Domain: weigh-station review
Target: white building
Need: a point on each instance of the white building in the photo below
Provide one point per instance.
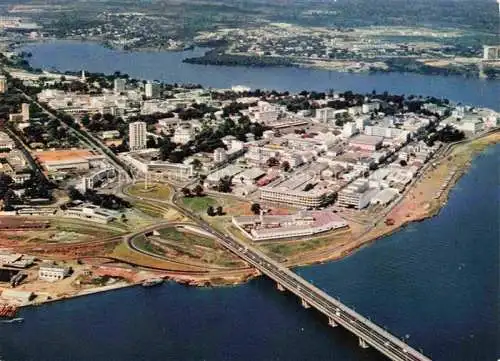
(6, 142)
(304, 223)
(295, 197)
(110, 134)
(349, 129)
(119, 85)
(370, 107)
(220, 155)
(142, 161)
(152, 90)
(137, 135)
(92, 213)
(357, 195)
(183, 134)
(52, 272)
(471, 126)
(323, 115)
(25, 112)
(96, 177)
(228, 171)
(3, 84)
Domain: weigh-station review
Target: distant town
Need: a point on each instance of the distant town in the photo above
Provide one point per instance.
(287, 38)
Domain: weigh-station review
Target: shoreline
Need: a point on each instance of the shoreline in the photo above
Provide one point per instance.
(342, 66)
(232, 278)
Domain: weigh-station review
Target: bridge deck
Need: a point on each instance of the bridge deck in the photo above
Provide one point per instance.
(368, 332)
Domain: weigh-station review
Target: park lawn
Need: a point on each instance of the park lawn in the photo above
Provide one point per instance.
(156, 191)
(199, 204)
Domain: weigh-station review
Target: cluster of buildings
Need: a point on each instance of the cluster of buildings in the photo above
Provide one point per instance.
(146, 162)
(91, 212)
(301, 224)
(13, 161)
(355, 49)
(87, 169)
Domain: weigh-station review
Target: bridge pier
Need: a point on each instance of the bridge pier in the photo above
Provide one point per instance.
(305, 304)
(362, 343)
(331, 322)
(280, 287)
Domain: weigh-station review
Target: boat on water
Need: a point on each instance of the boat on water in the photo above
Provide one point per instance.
(152, 282)
(13, 320)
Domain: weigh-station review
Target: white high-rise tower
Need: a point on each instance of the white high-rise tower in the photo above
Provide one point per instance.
(137, 135)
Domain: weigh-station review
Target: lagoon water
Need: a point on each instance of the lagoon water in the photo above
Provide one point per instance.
(435, 283)
(168, 67)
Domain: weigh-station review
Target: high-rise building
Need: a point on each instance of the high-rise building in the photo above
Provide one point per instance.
(3, 84)
(25, 111)
(152, 90)
(137, 135)
(119, 85)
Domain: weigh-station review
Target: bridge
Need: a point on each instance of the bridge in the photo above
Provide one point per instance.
(337, 313)
(368, 333)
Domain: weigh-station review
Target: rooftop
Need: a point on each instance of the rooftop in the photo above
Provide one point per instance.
(63, 155)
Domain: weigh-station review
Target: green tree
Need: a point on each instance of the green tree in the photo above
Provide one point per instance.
(255, 208)
(225, 185)
(186, 191)
(285, 166)
(198, 190)
(272, 162)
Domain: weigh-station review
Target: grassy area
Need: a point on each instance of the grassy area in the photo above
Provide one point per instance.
(291, 248)
(187, 238)
(124, 253)
(199, 204)
(150, 210)
(156, 191)
(87, 228)
(145, 245)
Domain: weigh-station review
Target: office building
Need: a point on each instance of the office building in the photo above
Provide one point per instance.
(152, 90)
(137, 135)
(220, 155)
(25, 111)
(357, 195)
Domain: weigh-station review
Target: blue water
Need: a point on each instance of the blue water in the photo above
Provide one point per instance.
(168, 66)
(436, 282)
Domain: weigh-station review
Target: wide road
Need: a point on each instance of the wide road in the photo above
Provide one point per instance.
(338, 314)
